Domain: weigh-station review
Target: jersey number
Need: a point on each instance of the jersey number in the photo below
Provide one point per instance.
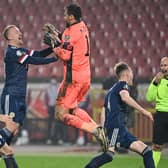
(88, 47)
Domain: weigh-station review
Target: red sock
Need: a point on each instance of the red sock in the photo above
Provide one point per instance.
(82, 114)
(72, 120)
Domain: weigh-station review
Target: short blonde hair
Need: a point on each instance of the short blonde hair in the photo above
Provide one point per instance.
(6, 30)
(120, 67)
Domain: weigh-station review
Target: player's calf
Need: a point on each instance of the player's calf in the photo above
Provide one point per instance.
(10, 161)
(7, 153)
(6, 134)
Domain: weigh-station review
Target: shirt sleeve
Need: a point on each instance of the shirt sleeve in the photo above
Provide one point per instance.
(33, 57)
(39, 60)
(151, 92)
(42, 53)
(124, 86)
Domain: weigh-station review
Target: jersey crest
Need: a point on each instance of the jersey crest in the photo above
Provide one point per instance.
(67, 37)
(19, 53)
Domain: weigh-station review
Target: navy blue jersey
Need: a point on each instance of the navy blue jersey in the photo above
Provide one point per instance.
(115, 108)
(16, 67)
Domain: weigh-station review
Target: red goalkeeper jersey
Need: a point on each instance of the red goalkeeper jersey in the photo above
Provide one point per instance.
(74, 52)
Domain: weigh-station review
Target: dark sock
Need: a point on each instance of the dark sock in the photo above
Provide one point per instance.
(148, 158)
(10, 162)
(100, 160)
(2, 141)
(7, 135)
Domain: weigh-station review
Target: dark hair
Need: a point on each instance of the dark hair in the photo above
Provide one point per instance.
(120, 67)
(6, 30)
(75, 10)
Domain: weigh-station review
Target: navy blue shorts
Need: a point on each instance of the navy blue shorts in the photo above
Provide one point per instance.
(14, 106)
(120, 137)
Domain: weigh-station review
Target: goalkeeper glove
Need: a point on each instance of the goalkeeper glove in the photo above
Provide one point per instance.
(50, 40)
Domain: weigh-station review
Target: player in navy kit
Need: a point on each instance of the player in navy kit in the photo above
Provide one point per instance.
(115, 109)
(14, 91)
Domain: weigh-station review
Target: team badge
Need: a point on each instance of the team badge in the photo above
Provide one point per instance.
(12, 114)
(19, 53)
(67, 37)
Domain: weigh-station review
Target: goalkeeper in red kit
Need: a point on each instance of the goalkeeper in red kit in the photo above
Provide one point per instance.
(74, 51)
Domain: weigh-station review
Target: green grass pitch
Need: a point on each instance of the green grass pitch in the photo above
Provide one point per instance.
(79, 161)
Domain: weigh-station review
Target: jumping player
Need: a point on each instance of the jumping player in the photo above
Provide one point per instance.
(75, 53)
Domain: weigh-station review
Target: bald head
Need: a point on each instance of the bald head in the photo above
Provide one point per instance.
(164, 59)
(164, 66)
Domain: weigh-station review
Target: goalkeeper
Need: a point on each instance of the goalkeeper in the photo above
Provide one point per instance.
(158, 92)
(74, 50)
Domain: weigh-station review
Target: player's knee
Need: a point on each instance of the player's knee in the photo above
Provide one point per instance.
(147, 151)
(12, 126)
(157, 147)
(6, 133)
(6, 150)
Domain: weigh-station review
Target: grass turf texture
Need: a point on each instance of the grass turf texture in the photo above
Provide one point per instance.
(79, 161)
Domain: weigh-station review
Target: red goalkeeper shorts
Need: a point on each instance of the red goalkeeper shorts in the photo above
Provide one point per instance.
(70, 94)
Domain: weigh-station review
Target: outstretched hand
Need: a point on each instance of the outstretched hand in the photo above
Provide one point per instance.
(149, 115)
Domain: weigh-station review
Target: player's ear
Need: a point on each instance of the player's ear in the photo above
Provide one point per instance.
(71, 17)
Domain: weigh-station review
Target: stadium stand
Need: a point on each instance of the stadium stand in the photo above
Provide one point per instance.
(134, 31)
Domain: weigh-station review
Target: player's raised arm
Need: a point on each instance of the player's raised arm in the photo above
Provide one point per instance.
(152, 90)
(33, 57)
(125, 96)
(42, 53)
(40, 61)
